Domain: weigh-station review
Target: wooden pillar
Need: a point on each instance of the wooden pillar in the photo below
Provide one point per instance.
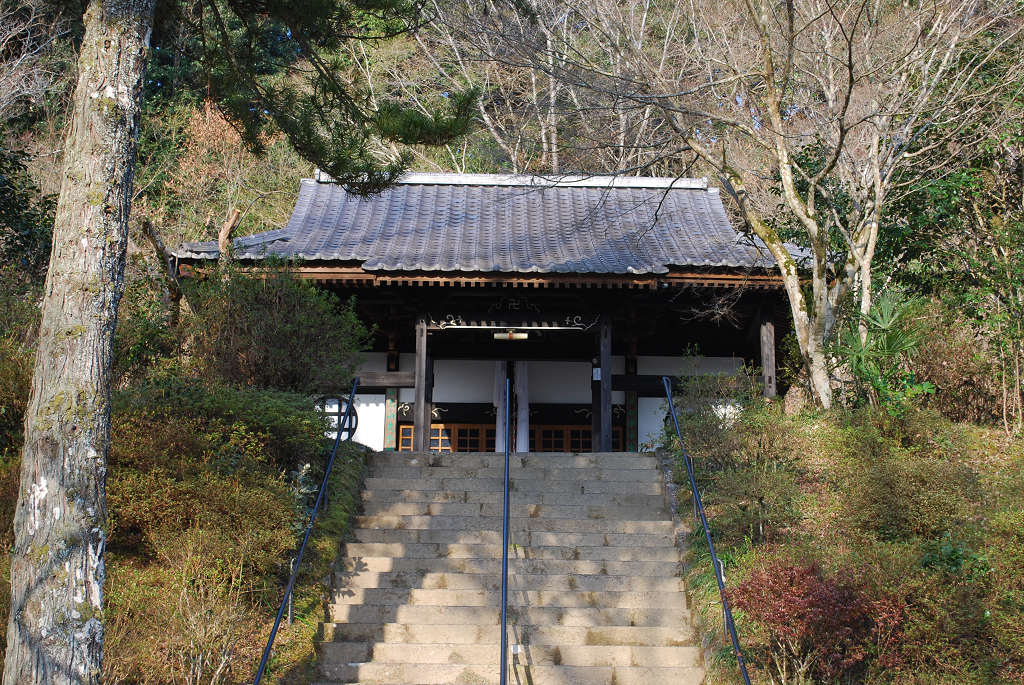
(501, 378)
(606, 384)
(429, 392)
(768, 348)
(391, 397)
(421, 411)
(595, 406)
(390, 419)
(632, 436)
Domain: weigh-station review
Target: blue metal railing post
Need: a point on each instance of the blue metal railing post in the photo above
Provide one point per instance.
(698, 507)
(342, 424)
(504, 548)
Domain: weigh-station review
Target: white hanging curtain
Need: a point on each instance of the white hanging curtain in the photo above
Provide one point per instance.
(523, 412)
(500, 374)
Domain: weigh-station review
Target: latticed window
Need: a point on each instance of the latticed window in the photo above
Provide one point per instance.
(440, 439)
(568, 439)
(334, 408)
(451, 437)
(405, 438)
(456, 437)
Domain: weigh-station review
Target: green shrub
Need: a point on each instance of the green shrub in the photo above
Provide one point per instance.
(742, 450)
(910, 522)
(183, 620)
(904, 496)
(148, 508)
(900, 483)
(26, 218)
(757, 505)
(213, 459)
(267, 328)
(203, 521)
(1004, 552)
(945, 634)
(145, 332)
(287, 427)
(19, 322)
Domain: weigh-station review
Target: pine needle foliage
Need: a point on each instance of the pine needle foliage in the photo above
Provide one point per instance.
(280, 67)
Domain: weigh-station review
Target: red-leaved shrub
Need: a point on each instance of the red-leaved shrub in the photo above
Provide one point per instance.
(806, 625)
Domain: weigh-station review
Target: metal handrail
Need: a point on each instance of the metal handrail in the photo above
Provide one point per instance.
(698, 508)
(342, 426)
(504, 548)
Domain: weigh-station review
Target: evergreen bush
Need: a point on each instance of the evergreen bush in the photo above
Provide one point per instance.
(204, 517)
(264, 327)
(859, 546)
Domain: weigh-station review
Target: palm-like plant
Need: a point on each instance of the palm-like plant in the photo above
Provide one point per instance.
(875, 353)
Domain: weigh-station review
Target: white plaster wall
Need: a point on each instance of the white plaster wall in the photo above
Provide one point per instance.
(370, 407)
(650, 417)
(464, 380)
(560, 382)
(375, 361)
(407, 362)
(370, 431)
(671, 366)
(618, 368)
(568, 382)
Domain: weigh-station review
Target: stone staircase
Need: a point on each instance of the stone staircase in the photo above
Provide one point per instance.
(595, 594)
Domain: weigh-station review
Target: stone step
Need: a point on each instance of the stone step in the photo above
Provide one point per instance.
(416, 495)
(534, 654)
(460, 551)
(466, 523)
(557, 635)
(595, 592)
(598, 475)
(661, 569)
(530, 598)
(533, 616)
(570, 487)
(616, 460)
(650, 517)
(546, 582)
(525, 538)
(655, 512)
(445, 674)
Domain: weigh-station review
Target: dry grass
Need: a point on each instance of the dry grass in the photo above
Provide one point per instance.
(922, 514)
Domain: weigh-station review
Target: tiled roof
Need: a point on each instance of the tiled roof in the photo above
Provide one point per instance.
(483, 222)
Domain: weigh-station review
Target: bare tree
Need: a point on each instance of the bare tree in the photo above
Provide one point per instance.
(27, 35)
(808, 111)
(541, 123)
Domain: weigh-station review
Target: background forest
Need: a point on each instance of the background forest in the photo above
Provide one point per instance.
(871, 531)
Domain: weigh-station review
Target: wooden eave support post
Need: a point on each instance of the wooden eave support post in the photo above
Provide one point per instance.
(421, 415)
(391, 397)
(768, 348)
(632, 436)
(602, 425)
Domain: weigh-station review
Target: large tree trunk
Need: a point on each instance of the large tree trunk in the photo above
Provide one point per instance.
(812, 321)
(55, 632)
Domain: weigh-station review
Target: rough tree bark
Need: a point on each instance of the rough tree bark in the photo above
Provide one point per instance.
(55, 631)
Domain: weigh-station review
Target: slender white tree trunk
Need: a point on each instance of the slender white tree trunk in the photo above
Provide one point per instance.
(55, 631)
